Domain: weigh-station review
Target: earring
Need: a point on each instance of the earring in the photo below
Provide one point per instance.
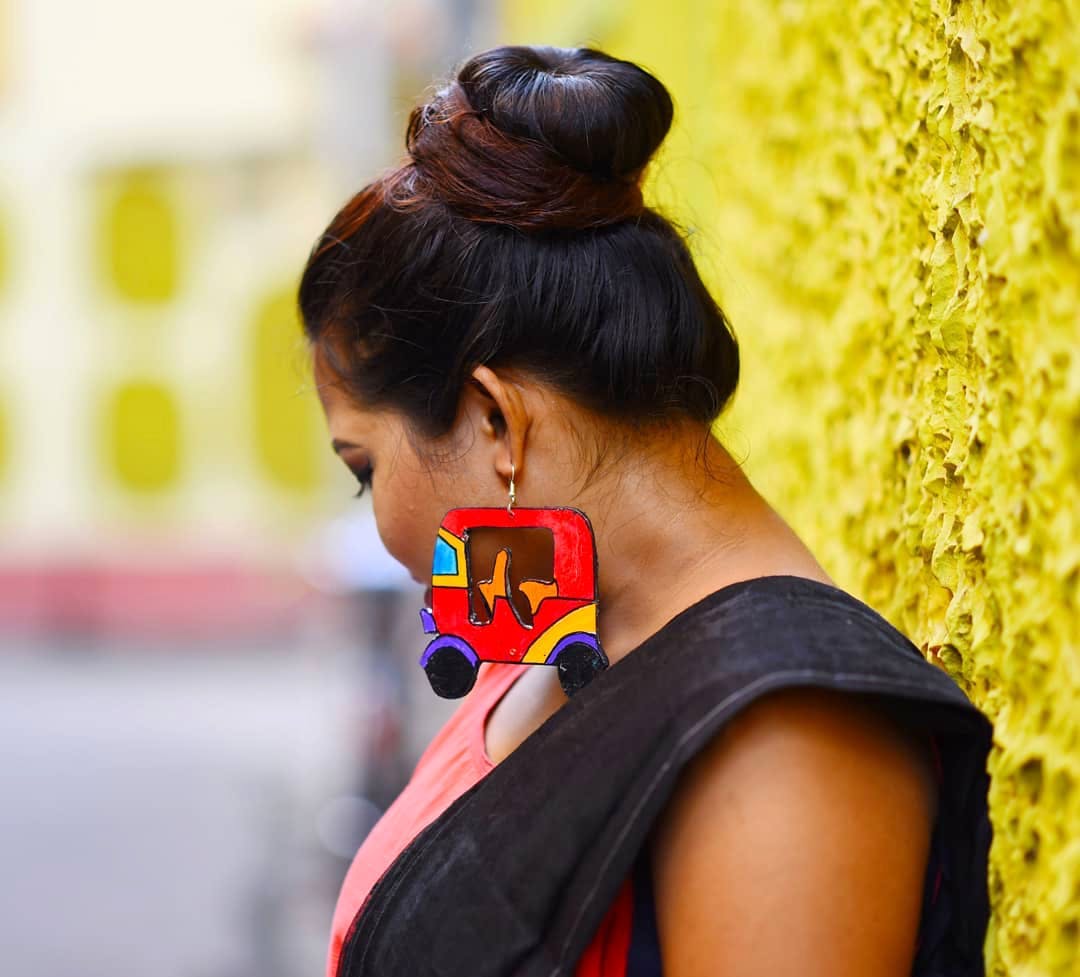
(516, 586)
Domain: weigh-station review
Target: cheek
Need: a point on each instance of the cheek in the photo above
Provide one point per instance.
(408, 512)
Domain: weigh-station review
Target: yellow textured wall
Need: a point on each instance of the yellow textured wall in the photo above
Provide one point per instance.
(886, 198)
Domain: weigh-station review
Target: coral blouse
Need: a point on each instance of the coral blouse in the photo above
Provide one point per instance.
(625, 942)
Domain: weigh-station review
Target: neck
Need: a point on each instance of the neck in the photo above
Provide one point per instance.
(673, 528)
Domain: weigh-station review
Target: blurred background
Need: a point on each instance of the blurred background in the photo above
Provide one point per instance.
(207, 688)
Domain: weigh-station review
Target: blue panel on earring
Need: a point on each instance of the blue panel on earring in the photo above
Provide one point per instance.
(445, 561)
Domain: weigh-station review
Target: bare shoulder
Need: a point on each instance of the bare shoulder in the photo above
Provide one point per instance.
(796, 843)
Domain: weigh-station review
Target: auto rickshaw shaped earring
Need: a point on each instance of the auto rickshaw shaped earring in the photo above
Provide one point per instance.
(514, 585)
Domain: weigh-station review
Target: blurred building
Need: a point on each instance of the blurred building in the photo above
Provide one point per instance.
(164, 170)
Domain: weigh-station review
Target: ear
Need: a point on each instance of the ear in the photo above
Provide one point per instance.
(505, 419)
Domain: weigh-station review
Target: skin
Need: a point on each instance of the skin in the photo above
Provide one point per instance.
(796, 841)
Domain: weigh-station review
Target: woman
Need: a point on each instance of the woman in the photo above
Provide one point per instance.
(502, 313)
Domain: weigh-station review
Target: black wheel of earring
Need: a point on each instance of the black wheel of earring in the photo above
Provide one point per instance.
(450, 673)
(578, 665)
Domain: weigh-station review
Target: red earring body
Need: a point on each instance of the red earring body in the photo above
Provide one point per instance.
(517, 586)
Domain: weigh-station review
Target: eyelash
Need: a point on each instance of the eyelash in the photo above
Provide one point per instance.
(363, 476)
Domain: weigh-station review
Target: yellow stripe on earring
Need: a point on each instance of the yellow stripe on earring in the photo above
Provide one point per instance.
(581, 619)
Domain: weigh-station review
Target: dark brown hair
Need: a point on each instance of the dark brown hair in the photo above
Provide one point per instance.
(515, 235)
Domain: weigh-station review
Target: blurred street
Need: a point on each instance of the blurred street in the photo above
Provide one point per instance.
(162, 813)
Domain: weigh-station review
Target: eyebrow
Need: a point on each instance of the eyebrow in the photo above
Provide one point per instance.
(339, 445)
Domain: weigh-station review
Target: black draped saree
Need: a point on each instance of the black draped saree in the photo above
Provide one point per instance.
(513, 878)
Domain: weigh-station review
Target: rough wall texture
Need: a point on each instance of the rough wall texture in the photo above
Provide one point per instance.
(886, 197)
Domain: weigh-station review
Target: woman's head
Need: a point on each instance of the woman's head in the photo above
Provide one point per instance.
(511, 256)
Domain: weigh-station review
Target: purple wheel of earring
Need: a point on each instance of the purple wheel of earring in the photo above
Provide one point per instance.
(451, 666)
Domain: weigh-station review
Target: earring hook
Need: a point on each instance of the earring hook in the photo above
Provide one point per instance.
(513, 496)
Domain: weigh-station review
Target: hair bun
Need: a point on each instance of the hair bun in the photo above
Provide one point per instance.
(603, 116)
(538, 137)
